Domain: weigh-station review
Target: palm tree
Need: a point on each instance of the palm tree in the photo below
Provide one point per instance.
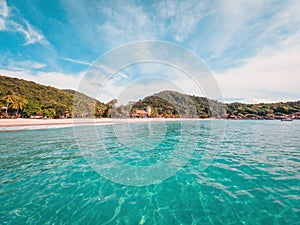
(100, 111)
(9, 99)
(18, 103)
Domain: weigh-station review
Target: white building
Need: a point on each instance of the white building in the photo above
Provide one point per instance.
(148, 110)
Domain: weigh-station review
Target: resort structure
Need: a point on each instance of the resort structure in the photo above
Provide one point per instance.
(140, 113)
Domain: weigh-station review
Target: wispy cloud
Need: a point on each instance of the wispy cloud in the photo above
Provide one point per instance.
(126, 23)
(3, 8)
(31, 34)
(122, 22)
(232, 22)
(2, 24)
(250, 45)
(271, 75)
(8, 62)
(174, 20)
(25, 65)
(3, 14)
(76, 61)
(54, 79)
(179, 19)
(7, 23)
(287, 18)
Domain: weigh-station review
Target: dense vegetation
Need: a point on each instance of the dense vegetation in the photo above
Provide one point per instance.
(263, 110)
(171, 104)
(26, 98)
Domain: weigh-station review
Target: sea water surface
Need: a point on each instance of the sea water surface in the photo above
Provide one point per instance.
(253, 177)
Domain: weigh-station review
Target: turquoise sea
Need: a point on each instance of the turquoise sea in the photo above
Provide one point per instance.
(251, 175)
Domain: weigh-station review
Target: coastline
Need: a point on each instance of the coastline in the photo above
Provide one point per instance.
(21, 122)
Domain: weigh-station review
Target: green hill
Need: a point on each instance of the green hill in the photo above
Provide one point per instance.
(27, 98)
(30, 98)
(175, 104)
(171, 104)
(264, 110)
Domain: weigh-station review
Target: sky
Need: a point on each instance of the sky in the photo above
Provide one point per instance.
(250, 48)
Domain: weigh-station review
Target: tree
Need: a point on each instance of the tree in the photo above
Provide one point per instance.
(110, 105)
(18, 102)
(99, 111)
(49, 112)
(61, 109)
(9, 100)
(154, 112)
(46, 97)
(32, 108)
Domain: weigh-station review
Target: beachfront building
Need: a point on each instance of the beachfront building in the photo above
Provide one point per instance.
(148, 110)
(140, 113)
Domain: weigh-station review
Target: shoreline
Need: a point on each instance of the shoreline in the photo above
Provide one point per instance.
(21, 122)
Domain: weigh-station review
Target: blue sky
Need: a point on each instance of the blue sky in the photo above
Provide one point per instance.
(251, 47)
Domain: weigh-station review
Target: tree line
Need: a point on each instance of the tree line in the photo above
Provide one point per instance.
(20, 98)
(171, 104)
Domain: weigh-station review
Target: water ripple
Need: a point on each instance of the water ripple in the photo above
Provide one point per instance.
(253, 179)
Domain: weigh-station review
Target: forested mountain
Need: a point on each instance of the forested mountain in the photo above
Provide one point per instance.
(175, 104)
(264, 110)
(30, 98)
(171, 104)
(26, 98)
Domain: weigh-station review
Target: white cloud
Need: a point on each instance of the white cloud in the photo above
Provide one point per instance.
(144, 87)
(3, 8)
(158, 60)
(136, 89)
(179, 19)
(31, 35)
(54, 79)
(122, 22)
(126, 23)
(288, 16)
(7, 23)
(36, 65)
(261, 100)
(143, 79)
(76, 61)
(2, 24)
(271, 75)
(233, 19)
(226, 31)
(3, 14)
(24, 65)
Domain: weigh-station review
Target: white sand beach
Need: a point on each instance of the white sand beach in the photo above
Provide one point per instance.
(42, 122)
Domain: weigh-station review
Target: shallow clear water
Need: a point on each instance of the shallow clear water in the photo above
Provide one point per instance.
(254, 177)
